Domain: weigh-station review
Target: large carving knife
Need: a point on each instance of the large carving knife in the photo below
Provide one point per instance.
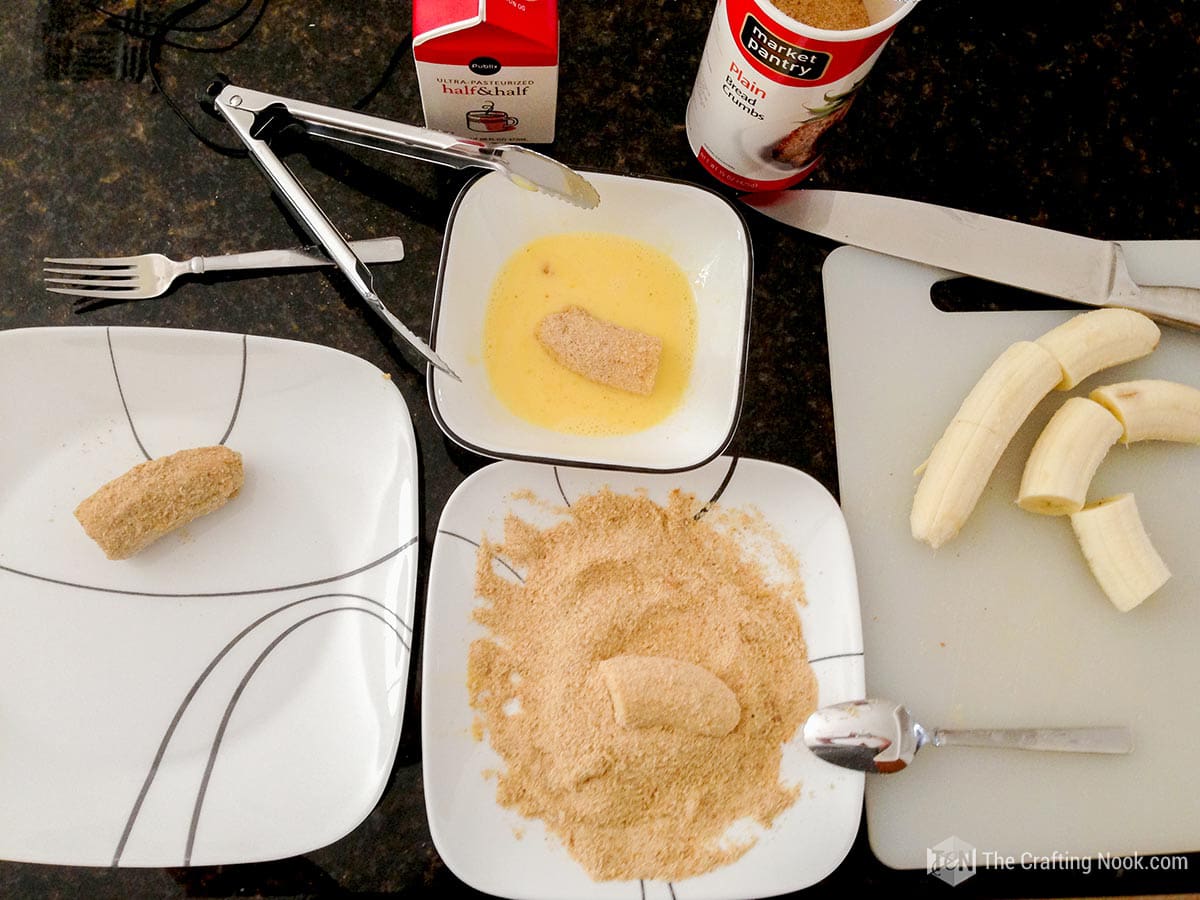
(1036, 259)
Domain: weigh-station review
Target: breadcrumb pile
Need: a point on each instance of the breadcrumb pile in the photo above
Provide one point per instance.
(622, 575)
(836, 15)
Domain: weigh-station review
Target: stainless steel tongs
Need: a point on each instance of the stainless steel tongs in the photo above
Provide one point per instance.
(256, 116)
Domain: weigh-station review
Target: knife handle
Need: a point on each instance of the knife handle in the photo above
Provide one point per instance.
(371, 250)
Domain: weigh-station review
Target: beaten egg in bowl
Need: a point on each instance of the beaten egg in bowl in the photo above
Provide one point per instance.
(597, 320)
(616, 279)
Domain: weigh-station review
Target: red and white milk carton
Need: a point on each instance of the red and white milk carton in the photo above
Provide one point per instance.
(488, 69)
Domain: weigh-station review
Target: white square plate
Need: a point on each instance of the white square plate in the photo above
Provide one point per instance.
(234, 692)
(479, 840)
(700, 230)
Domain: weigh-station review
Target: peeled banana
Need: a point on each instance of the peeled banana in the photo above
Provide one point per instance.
(962, 460)
(1118, 550)
(1096, 340)
(1065, 457)
(1153, 410)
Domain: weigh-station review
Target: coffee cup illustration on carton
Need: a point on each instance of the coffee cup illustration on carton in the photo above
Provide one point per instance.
(490, 119)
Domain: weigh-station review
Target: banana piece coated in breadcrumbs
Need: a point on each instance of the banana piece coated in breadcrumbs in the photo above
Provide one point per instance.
(601, 351)
(660, 692)
(132, 511)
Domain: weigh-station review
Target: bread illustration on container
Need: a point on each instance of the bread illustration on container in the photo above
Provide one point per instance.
(804, 144)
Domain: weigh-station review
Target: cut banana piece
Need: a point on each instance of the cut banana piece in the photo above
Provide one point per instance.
(1118, 550)
(661, 692)
(1153, 410)
(962, 460)
(1065, 457)
(1097, 340)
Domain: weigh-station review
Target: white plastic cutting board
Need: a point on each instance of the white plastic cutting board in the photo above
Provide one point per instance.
(1004, 626)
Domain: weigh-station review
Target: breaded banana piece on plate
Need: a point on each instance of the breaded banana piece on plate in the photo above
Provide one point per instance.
(153, 498)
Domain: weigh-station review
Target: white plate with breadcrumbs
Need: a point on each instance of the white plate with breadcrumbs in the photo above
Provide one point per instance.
(235, 692)
(494, 849)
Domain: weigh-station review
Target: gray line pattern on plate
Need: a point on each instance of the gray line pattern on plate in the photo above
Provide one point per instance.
(847, 655)
(561, 492)
(237, 694)
(517, 575)
(112, 357)
(178, 717)
(237, 405)
(316, 582)
(669, 885)
(733, 461)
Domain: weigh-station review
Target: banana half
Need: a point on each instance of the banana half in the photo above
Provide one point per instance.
(962, 460)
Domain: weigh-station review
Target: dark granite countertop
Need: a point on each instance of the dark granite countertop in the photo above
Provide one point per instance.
(1082, 119)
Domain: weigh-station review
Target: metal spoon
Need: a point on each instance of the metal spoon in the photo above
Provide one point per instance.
(882, 736)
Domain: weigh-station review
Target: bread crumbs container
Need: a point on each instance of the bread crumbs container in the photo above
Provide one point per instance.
(769, 88)
(488, 69)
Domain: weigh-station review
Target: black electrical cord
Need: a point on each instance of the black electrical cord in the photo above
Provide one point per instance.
(154, 57)
(233, 43)
(140, 27)
(160, 34)
(398, 55)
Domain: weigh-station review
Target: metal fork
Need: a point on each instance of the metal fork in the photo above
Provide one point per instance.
(149, 275)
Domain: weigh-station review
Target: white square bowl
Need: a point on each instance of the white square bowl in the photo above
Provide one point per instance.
(700, 230)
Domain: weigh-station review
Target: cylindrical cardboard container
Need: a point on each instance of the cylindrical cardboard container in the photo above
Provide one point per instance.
(770, 87)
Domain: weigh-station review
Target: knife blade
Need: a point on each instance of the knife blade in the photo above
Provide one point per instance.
(1036, 259)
